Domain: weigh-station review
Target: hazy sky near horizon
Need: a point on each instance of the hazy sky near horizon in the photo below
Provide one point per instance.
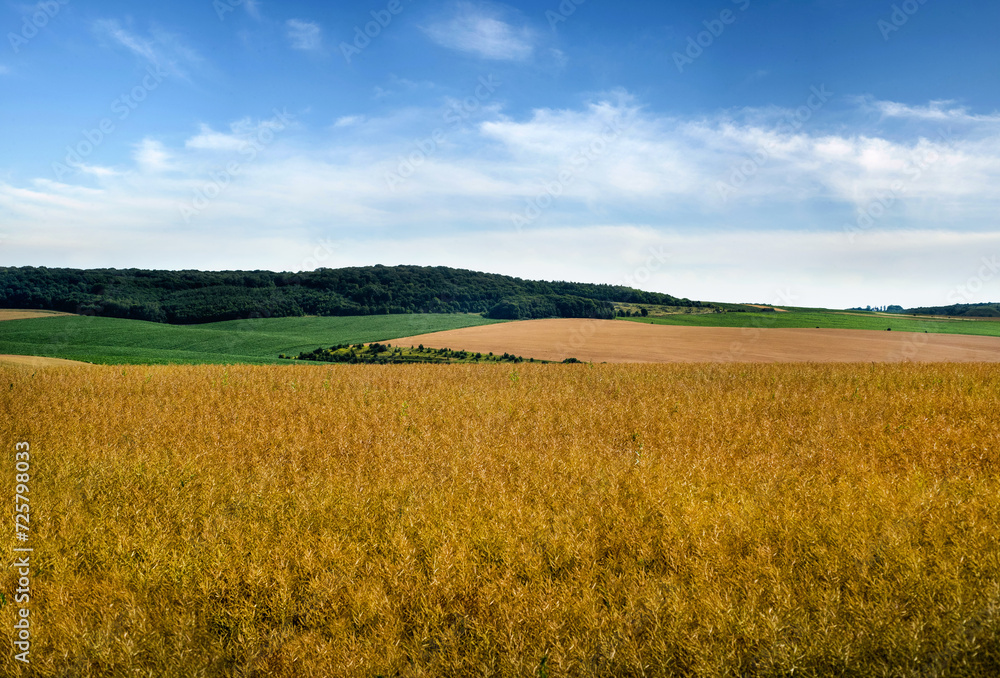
(816, 153)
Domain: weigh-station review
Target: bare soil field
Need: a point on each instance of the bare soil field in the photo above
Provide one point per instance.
(21, 314)
(620, 342)
(36, 361)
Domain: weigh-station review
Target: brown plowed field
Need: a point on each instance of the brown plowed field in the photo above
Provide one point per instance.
(619, 342)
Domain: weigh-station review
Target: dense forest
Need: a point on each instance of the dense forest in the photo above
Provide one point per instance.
(961, 310)
(209, 296)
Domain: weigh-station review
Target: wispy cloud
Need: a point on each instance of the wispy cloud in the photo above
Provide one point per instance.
(98, 171)
(162, 49)
(349, 121)
(559, 58)
(304, 35)
(939, 111)
(4, 70)
(135, 44)
(481, 30)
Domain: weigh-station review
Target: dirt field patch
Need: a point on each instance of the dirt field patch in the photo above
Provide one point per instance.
(618, 342)
(36, 361)
(21, 314)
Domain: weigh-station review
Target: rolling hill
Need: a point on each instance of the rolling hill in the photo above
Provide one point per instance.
(187, 297)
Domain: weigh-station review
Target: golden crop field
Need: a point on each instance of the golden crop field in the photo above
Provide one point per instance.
(498, 520)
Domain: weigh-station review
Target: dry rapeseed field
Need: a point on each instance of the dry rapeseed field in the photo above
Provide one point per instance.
(497, 520)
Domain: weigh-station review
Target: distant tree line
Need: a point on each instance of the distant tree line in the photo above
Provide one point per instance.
(208, 296)
(991, 310)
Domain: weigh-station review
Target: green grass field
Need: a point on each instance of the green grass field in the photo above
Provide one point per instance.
(827, 319)
(259, 341)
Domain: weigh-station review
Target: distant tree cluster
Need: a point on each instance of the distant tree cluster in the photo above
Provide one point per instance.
(208, 296)
(879, 309)
(385, 354)
(628, 313)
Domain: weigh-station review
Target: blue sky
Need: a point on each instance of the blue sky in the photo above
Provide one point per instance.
(822, 153)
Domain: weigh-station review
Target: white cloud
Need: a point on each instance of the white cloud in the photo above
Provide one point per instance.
(241, 133)
(608, 180)
(304, 35)
(4, 70)
(210, 140)
(480, 30)
(56, 187)
(152, 156)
